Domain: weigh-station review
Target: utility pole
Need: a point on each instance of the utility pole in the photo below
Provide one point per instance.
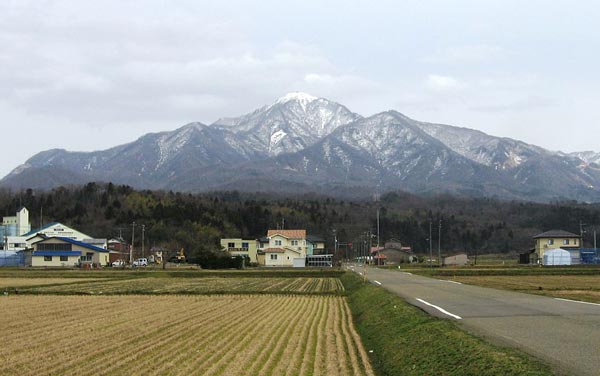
(143, 230)
(595, 240)
(440, 243)
(335, 242)
(365, 258)
(132, 240)
(377, 227)
(430, 245)
(581, 231)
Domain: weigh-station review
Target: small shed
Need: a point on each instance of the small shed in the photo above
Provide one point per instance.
(557, 257)
(458, 260)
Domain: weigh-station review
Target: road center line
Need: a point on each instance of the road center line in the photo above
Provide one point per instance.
(445, 280)
(577, 301)
(440, 309)
(379, 283)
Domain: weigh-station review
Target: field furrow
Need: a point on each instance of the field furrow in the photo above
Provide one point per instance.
(181, 334)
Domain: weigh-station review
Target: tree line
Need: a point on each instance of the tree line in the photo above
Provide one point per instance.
(196, 221)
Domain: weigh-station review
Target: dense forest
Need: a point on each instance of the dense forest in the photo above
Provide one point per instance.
(195, 222)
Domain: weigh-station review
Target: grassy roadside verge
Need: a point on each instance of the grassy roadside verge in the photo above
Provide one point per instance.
(407, 341)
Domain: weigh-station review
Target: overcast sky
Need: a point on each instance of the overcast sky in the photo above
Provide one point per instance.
(88, 75)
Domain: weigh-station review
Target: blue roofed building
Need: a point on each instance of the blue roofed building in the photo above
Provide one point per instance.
(59, 251)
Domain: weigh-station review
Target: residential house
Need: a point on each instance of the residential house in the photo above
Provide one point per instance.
(119, 249)
(554, 239)
(65, 252)
(392, 253)
(315, 245)
(241, 247)
(286, 248)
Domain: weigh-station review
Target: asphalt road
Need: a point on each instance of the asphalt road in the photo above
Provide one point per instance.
(563, 333)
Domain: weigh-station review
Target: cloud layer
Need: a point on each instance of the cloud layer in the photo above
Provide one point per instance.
(90, 75)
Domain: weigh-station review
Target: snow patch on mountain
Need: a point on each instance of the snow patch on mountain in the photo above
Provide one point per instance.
(169, 144)
(296, 96)
(276, 137)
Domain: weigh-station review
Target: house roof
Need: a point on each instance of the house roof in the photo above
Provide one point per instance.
(75, 242)
(315, 239)
(388, 250)
(273, 250)
(43, 236)
(48, 225)
(290, 234)
(377, 249)
(556, 234)
(56, 253)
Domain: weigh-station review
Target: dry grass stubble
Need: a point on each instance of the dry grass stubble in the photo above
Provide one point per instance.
(179, 335)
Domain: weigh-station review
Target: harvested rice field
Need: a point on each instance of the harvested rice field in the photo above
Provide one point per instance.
(194, 286)
(24, 282)
(179, 335)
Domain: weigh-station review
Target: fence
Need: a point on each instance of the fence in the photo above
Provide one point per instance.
(12, 259)
(590, 256)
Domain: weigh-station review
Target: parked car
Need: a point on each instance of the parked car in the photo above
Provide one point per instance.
(140, 262)
(118, 263)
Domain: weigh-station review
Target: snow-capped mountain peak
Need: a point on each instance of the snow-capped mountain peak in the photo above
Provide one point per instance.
(308, 141)
(296, 96)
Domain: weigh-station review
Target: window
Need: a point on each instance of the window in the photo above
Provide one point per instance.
(294, 242)
(550, 241)
(54, 247)
(88, 257)
(230, 245)
(566, 242)
(277, 242)
(64, 258)
(273, 257)
(47, 258)
(245, 245)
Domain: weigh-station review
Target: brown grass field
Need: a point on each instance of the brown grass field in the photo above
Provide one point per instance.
(183, 285)
(577, 287)
(179, 335)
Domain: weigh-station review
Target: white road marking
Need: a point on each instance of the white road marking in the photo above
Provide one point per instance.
(445, 280)
(577, 301)
(379, 283)
(406, 273)
(440, 309)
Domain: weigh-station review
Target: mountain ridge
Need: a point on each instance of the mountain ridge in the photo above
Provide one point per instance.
(302, 142)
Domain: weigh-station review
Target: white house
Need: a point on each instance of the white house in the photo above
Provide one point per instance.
(285, 248)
